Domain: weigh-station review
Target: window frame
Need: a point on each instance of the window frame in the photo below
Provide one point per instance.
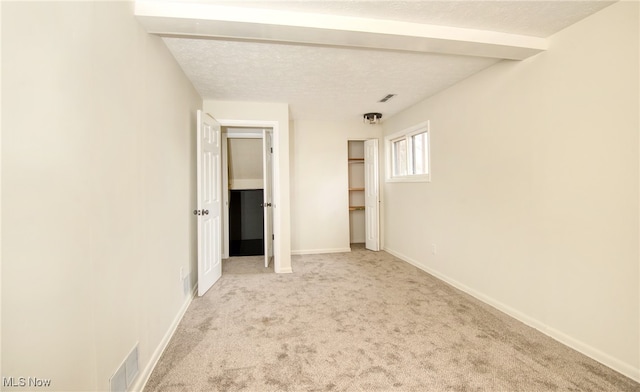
(407, 136)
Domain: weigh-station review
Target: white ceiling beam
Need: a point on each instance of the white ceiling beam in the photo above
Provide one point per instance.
(200, 20)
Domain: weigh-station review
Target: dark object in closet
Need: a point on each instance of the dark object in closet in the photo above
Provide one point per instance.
(246, 223)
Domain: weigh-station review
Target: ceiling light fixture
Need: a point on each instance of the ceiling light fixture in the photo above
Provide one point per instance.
(372, 118)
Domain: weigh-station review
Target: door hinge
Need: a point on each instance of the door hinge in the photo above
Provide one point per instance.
(273, 236)
(271, 150)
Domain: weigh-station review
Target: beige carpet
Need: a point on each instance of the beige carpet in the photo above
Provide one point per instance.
(361, 321)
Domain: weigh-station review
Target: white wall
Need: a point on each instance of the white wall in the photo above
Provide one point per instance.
(319, 183)
(256, 114)
(98, 179)
(245, 163)
(533, 203)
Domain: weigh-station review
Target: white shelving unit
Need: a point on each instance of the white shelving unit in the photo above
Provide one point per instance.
(356, 191)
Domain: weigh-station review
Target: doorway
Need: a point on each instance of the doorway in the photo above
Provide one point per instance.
(364, 194)
(356, 192)
(246, 182)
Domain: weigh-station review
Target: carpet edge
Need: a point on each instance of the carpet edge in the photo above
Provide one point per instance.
(619, 366)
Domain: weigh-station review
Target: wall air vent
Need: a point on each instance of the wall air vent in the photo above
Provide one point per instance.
(388, 97)
(126, 373)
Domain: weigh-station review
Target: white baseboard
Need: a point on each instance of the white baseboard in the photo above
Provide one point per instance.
(284, 271)
(590, 351)
(319, 251)
(143, 377)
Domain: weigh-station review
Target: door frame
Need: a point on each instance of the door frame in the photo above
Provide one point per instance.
(225, 181)
(277, 218)
(226, 135)
(380, 189)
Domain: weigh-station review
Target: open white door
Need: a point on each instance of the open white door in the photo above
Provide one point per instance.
(225, 195)
(371, 196)
(267, 167)
(209, 202)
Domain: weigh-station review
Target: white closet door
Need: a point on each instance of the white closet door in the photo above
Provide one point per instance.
(372, 195)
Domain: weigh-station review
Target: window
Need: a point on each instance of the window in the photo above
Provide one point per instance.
(408, 155)
(399, 157)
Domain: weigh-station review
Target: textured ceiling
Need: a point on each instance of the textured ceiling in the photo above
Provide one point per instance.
(318, 81)
(342, 83)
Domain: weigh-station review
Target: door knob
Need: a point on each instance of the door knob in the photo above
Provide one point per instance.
(196, 212)
(205, 212)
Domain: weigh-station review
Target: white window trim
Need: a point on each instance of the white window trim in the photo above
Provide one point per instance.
(407, 133)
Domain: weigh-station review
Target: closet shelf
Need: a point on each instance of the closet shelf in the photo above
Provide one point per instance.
(356, 160)
(356, 208)
(356, 189)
